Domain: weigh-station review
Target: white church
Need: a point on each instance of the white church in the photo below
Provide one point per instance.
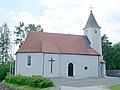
(62, 55)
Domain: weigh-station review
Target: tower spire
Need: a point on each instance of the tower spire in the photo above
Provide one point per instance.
(92, 31)
(91, 22)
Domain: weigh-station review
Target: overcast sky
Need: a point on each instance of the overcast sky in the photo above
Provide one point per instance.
(63, 16)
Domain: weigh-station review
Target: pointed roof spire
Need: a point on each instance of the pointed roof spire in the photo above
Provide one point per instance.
(91, 22)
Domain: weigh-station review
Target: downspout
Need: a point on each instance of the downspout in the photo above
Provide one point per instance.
(59, 65)
(16, 62)
(98, 68)
(43, 64)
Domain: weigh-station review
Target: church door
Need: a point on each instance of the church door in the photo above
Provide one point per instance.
(70, 69)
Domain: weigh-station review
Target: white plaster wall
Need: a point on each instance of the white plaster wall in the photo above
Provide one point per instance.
(104, 70)
(79, 62)
(47, 65)
(60, 66)
(95, 38)
(36, 65)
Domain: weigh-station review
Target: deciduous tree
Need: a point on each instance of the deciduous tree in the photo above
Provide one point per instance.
(4, 42)
(22, 31)
(32, 27)
(116, 56)
(107, 51)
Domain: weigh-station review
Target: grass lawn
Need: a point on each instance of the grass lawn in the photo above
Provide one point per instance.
(115, 87)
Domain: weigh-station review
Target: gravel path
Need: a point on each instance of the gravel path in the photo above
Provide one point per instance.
(85, 82)
(6, 87)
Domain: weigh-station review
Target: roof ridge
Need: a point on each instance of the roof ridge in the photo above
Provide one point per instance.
(57, 33)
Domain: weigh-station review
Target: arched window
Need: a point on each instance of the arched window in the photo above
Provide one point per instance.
(95, 31)
(70, 69)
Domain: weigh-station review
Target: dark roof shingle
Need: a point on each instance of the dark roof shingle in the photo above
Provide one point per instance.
(91, 22)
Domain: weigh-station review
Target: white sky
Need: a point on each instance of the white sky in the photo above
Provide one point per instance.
(63, 16)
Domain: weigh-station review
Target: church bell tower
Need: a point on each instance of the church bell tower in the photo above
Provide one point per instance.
(92, 31)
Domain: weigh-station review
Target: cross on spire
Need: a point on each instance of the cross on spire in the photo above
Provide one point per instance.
(51, 61)
(90, 7)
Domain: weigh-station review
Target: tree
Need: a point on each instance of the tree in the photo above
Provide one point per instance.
(116, 56)
(4, 69)
(32, 27)
(22, 31)
(4, 43)
(111, 54)
(106, 45)
(107, 51)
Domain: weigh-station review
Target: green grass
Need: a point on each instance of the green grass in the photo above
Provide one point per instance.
(115, 87)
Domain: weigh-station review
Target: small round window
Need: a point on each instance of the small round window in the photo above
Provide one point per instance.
(86, 68)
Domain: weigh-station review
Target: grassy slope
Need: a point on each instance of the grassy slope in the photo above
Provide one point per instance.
(115, 87)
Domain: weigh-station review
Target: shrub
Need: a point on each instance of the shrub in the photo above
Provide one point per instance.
(3, 71)
(46, 83)
(39, 82)
(20, 80)
(8, 79)
(35, 81)
(32, 82)
(27, 81)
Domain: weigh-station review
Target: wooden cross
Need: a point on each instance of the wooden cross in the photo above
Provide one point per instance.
(51, 60)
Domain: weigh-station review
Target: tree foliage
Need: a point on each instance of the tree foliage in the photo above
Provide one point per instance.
(32, 27)
(4, 69)
(4, 42)
(107, 51)
(116, 56)
(22, 31)
(106, 45)
(111, 54)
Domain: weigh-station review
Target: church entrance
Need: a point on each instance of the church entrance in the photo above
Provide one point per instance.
(70, 69)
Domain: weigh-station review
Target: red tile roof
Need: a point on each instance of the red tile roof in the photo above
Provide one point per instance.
(57, 43)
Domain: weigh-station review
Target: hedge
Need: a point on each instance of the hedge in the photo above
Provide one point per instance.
(39, 82)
